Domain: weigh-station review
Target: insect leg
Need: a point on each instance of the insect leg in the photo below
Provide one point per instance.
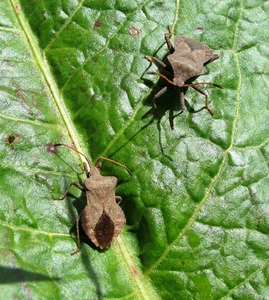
(162, 76)
(76, 185)
(77, 228)
(168, 41)
(158, 63)
(77, 220)
(198, 89)
(86, 169)
(181, 100)
(160, 93)
(182, 106)
(118, 199)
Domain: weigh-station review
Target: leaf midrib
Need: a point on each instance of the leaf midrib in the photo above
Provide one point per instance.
(141, 283)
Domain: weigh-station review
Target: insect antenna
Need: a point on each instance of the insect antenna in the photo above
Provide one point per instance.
(101, 157)
(116, 163)
(72, 148)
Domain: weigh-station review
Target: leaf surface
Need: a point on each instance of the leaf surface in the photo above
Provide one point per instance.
(196, 206)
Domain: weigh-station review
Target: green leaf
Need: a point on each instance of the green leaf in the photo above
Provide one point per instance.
(196, 206)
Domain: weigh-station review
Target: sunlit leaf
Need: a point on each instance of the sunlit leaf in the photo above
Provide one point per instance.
(196, 206)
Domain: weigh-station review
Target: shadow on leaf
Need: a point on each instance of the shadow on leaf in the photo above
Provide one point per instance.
(13, 275)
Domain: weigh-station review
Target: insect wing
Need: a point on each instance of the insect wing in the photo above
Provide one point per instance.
(104, 231)
(118, 220)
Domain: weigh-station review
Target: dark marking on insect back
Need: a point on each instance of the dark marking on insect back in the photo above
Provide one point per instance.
(104, 231)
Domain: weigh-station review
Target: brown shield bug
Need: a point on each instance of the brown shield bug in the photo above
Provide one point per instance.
(102, 219)
(187, 59)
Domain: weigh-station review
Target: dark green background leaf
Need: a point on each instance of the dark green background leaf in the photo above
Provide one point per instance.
(196, 206)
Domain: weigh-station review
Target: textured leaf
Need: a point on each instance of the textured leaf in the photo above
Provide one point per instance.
(196, 206)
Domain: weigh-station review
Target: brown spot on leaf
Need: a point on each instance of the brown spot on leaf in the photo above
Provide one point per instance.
(133, 31)
(199, 30)
(11, 139)
(134, 271)
(98, 24)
